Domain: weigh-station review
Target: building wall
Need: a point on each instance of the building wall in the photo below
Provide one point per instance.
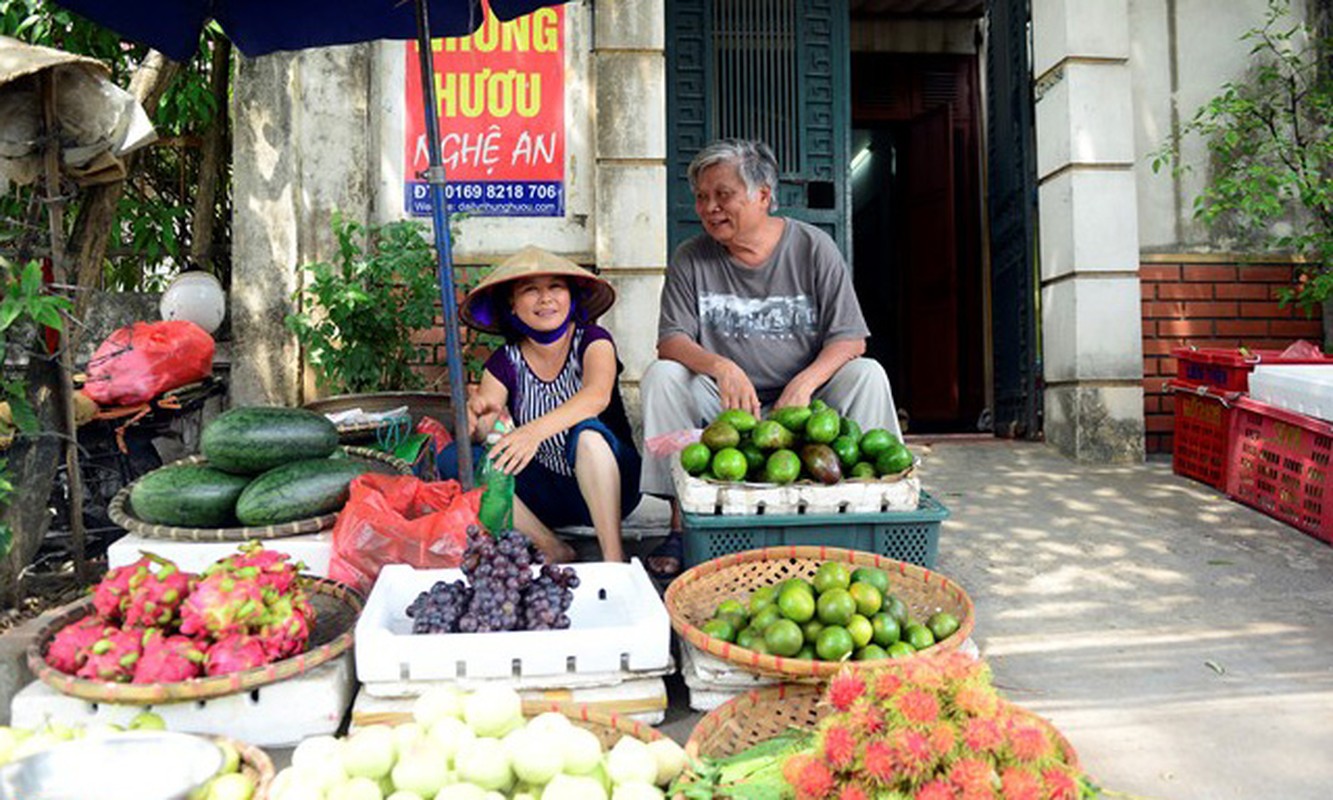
(1207, 301)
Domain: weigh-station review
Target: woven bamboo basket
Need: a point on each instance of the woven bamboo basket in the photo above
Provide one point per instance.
(692, 598)
(336, 608)
(255, 763)
(756, 716)
(120, 511)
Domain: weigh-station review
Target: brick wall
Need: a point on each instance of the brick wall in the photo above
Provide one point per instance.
(1207, 300)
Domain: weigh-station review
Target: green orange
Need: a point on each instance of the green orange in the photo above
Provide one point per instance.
(784, 638)
(695, 457)
(832, 575)
(834, 643)
(868, 598)
(885, 628)
(861, 630)
(719, 629)
(796, 603)
(835, 607)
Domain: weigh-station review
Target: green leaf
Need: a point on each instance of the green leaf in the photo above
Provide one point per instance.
(6, 540)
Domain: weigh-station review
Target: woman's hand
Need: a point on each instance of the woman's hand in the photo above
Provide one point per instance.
(482, 414)
(515, 449)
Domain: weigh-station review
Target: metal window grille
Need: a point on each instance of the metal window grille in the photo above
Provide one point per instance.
(756, 75)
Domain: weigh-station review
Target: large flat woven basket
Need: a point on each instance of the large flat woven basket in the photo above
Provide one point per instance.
(255, 763)
(336, 607)
(758, 715)
(692, 598)
(122, 514)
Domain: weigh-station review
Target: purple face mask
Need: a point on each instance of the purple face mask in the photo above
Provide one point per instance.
(512, 322)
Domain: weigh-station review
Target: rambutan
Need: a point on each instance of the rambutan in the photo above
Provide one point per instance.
(866, 718)
(976, 700)
(972, 777)
(934, 790)
(1029, 742)
(1017, 783)
(853, 791)
(839, 748)
(814, 782)
(943, 737)
(1060, 783)
(845, 689)
(887, 684)
(982, 735)
(914, 752)
(880, 763)
(918, 706)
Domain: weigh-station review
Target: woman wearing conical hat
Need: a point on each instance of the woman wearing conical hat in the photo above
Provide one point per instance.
(571, 451)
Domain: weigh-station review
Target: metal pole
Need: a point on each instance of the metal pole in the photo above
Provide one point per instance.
(439, 212)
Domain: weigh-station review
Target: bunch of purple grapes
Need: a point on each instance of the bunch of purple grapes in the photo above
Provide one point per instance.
(546, 599)
(437, 609)
(501, 593)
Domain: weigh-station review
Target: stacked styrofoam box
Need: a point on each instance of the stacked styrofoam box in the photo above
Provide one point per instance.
(850, 496)
(313, 549)
(619, 634)
(1303, 389)
(712, 681)
(278, 714)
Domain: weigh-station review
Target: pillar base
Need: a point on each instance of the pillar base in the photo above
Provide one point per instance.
(1096, 423)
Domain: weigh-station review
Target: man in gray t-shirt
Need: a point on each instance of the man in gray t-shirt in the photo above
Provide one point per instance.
(757, 312)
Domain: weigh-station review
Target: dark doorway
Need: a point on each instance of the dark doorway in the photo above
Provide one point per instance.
(916, 232)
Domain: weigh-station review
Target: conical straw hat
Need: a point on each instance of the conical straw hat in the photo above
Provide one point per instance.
(484, 307)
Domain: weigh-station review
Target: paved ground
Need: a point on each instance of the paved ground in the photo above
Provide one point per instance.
(1182, 642)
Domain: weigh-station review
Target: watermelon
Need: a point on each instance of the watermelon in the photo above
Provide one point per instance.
(248, 441)
(188, 496)
(299, 490)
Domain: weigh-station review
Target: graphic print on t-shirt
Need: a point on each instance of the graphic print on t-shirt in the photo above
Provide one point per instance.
(758, 317)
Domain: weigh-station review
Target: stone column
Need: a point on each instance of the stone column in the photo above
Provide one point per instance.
(629, 66)
(300, 151)
(1091, 326)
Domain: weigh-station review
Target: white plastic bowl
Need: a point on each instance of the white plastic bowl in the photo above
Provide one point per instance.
(136, 765)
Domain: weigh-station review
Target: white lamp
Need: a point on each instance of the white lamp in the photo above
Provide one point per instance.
(197, 297)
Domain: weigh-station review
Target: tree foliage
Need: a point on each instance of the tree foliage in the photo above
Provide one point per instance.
(152, 231)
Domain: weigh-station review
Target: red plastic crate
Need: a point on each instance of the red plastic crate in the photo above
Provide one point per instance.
(1280, 464)
(1228, 370)
(1201, 432)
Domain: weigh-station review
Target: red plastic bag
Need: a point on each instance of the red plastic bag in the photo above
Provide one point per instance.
(137, 363)
(398, 519)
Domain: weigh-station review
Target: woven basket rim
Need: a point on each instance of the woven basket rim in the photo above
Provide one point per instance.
(254, 757)
(754, 701)
(585, 713)
(792, 669)
(201, 688)
(118, 509)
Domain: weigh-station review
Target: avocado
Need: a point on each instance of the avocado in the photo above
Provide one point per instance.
(742, 421)
(720, 435)
(849, 452)
(793, 418)
(783, 466)
(817, 406)
(822, 427)
(821, 462)
(772, 435)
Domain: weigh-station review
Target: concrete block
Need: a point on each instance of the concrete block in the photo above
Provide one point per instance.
(1092, 330)
(631, 105)
(1088, 222)
(1096, 424)
(1083, 117)
(630, 25)
(1069, 28)
(633, 320)
(631, 215)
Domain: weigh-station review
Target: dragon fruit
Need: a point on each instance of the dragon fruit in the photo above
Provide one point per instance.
(285, 630)
(70, 646)
(167, 659)
(112, 593)
(155, 598)
(235, 653)
(273, 569)
(112, 657)
(222, 604)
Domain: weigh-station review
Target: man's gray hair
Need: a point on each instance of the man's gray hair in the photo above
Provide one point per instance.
(753, 159)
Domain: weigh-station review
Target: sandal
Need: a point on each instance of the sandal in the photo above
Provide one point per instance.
(672, 549)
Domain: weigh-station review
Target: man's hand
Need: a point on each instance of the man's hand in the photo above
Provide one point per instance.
(794, 394)
(736, 389)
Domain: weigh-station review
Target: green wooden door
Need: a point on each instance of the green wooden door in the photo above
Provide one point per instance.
(775, 70)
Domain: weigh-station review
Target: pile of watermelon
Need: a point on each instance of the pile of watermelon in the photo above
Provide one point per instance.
(266, 466)
(156, 623)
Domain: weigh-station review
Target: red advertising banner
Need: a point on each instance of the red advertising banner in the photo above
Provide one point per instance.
(500, 96)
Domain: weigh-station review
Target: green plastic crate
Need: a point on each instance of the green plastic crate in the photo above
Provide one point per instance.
(912, 536)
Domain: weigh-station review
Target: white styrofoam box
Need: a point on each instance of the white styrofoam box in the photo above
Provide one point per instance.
(277, 715)
(314, 549)
(618, 623)
(1302, 388)
(702, 670)
(642, 699)
(850, 496)
(555, 683)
